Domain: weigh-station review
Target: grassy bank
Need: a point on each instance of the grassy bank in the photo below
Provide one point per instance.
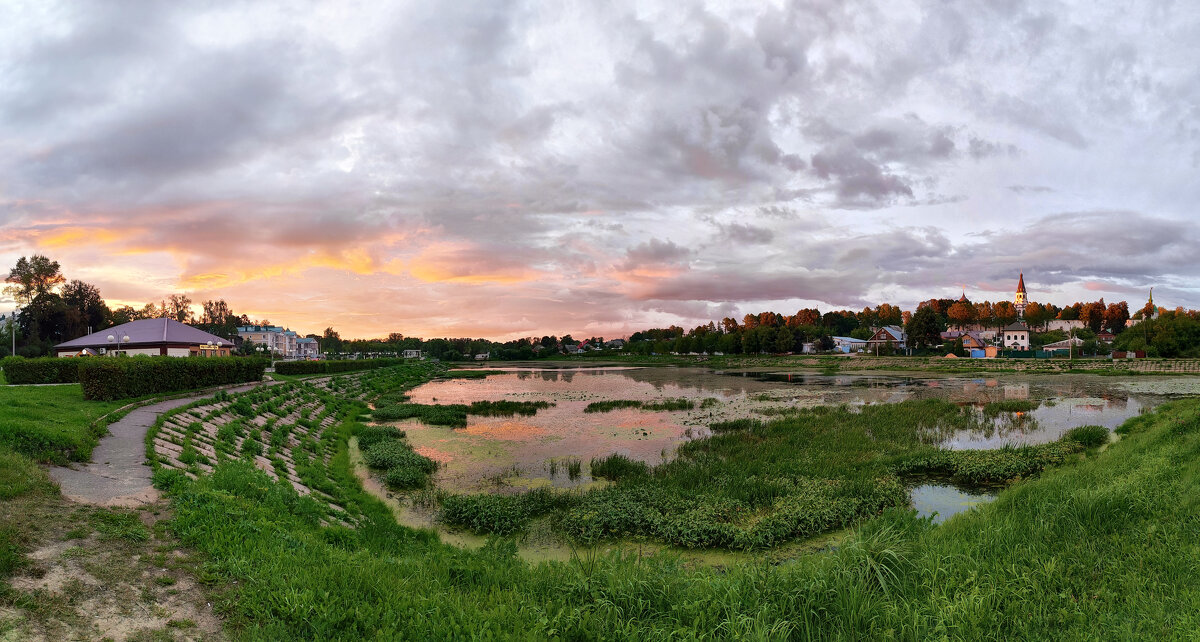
(52, 423)
(1105, 548)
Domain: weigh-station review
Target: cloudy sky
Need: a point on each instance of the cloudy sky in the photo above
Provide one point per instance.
(505, 169)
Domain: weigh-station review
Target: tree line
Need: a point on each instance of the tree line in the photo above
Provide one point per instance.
(54, 310)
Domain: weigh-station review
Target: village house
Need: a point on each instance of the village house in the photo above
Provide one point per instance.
(153, 337)
(849, 344)
(888, 334)
(1015, 336)
(412, 354)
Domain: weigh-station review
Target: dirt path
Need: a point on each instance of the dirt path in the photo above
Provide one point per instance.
(118, 474)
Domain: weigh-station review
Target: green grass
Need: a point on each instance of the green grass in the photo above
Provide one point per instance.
(1104, 549)
(52, 424)
(617, 466)
(455, 415)
(663, 405)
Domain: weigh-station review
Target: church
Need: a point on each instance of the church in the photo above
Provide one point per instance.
(1016, 335)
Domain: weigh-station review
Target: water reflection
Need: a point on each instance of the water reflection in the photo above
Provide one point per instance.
(943, 501)
(511, 452)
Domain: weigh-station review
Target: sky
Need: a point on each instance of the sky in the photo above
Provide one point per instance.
(509, 169)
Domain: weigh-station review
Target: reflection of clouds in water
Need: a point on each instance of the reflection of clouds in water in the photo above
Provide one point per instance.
(490, 444)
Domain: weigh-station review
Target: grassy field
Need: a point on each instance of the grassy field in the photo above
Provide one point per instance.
(51, 423)
(1104, 548)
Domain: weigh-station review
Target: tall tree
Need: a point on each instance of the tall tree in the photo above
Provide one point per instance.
(1115, 317)
(961, 314)
(178, 307)
(33, 277)
(923, 329)
(85, 299)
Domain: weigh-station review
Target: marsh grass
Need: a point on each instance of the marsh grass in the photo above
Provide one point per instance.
(455, 415)
(654, 406)
(617, 466)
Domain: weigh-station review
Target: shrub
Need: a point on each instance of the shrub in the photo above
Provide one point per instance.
(121, 378)
(617, 466)
(19, 370)
(370, 435)
(1088, 436)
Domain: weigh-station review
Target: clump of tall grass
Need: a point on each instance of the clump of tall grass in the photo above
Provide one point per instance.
(1088, 436)
(612, 404)
(617, 466)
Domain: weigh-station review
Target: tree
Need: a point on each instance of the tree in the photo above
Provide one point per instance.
(1037, 315)
(332, 341)
(923, 329)
(1005, 313)
(962, 314)
(1116, 316)
(178, 307)
(1092, 315)
(86, 307)
(785, 341)
(33, 277)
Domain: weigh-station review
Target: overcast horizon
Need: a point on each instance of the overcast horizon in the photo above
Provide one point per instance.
(516, 169)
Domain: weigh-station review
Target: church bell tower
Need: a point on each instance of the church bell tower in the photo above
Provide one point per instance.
(1020, 301)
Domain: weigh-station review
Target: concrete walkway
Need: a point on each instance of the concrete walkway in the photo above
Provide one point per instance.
(118, 474)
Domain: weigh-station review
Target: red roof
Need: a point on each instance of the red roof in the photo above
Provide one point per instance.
(1021, 283)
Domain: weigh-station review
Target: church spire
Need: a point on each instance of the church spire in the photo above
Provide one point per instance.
(1020, 301)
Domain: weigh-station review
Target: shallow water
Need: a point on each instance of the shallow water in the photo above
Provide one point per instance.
(508, 454)
(943, 501)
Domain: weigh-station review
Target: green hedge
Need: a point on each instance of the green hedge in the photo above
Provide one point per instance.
(120, 378)
(41, 370)
(326, 367)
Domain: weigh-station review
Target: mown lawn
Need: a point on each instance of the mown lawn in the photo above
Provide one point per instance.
(1107, 547)
(52, 424)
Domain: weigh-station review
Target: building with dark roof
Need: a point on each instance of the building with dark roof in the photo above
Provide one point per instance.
(1016, 336)
(155, 337)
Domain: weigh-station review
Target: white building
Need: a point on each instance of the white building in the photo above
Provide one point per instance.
(152, 337)
(1015, 336)
(280, 341)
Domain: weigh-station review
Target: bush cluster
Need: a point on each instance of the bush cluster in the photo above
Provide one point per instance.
(19, 370)
(501, 514)
(811, 506)
(326, 367)
(991, 466)
(121, 378)
(402, 467)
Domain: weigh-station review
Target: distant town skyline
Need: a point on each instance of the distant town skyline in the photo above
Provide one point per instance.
(503, 171)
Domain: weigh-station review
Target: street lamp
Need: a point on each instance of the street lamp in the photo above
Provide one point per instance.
(125, 339)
